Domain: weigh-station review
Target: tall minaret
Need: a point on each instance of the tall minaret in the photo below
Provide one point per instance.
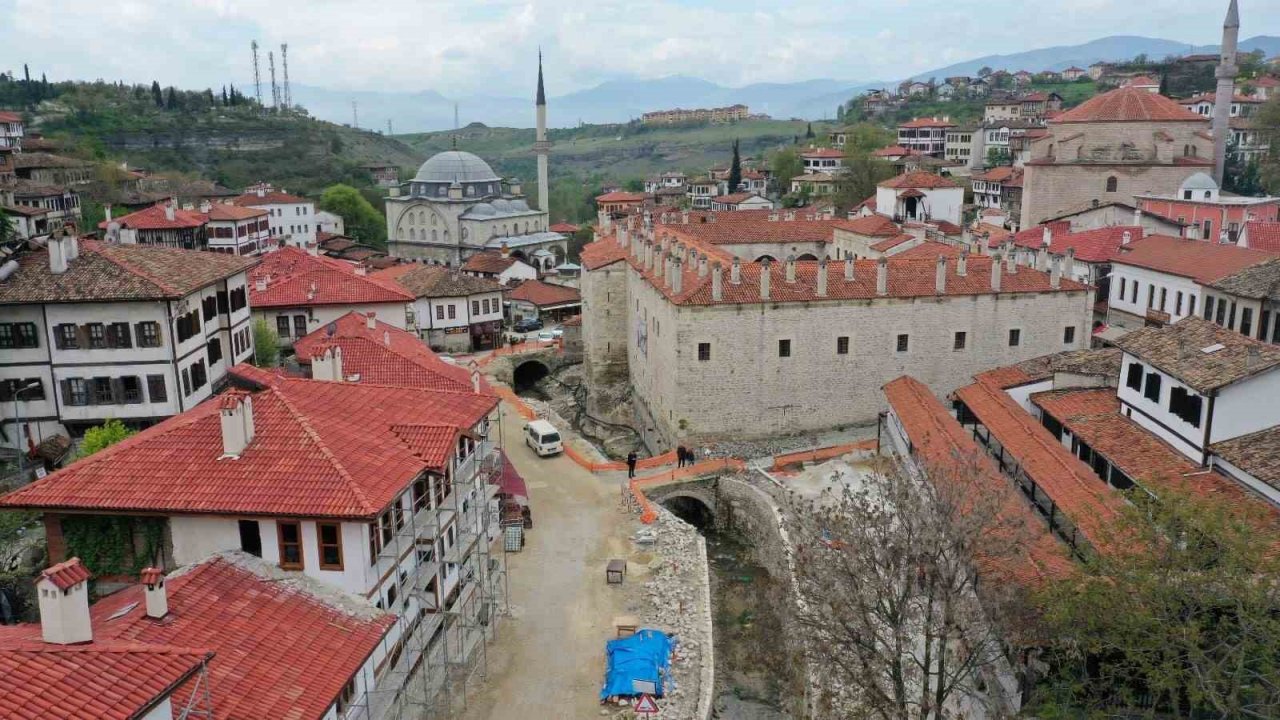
(1226, 74)
(542, 147)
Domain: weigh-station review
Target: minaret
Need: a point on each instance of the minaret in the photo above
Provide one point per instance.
(1226, 74)
(541, 146)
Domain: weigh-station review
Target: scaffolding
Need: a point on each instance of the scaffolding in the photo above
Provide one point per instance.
(445, 635)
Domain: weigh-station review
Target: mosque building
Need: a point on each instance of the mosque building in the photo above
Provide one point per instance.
(457, 206)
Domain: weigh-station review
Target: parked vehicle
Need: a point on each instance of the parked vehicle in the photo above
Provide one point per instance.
(546, 336)
(543, 438)
(557, 332)
(527, 324)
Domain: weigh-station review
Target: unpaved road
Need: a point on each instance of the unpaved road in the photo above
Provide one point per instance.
(548, 660)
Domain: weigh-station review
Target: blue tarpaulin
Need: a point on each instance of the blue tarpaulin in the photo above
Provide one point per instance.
(644, 656)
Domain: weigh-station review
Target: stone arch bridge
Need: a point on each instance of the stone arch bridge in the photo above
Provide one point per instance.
(524, 369)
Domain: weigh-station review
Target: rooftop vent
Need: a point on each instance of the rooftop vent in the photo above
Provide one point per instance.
(1212, 348)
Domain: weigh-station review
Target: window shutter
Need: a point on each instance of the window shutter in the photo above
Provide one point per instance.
(117, 390)
(82, 336)
(66, 392)
(58, 340)
(122, 330)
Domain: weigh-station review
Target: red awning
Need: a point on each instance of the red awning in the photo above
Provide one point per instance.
(510, 483)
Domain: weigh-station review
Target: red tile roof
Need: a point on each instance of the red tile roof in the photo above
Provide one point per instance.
(320, 449)
(1129, 104)
(620, 196)
(1204, 262)
(564, 227)
(253, 199)
(225, 211)
(596, 255)
(8, 117)
(102, 680)
(385, 355)
(891, 151)
(734, 198)
(154, 218)
(999, 174)
(66, 574)
(744, 227)
(940, 444)
(1264, 236)
(918, 179)
(280, 650)
(870, 226)
(492, 263)
(292, 274)
(433, 444)
(822, 153)
(1097, 245)
(893, 242)
(928, 250)
(545, 294)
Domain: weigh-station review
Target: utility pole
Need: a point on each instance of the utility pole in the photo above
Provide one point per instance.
(275, 89)
(455, 117)
(284, 60)
(389, 133)
(257, 78)
(355, 115)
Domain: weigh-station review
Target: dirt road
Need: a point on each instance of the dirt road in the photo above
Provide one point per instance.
(548, 661)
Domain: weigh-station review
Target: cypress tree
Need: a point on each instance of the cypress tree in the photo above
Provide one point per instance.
(156, 96)
(735, 170)
(171, 101)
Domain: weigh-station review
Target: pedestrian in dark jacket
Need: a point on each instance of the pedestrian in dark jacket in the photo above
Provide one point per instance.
(631, 464)
(681, 456)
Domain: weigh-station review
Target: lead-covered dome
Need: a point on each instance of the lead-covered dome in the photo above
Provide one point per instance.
(452, 165)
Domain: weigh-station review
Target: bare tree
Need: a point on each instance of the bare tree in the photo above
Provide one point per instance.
(906, 602)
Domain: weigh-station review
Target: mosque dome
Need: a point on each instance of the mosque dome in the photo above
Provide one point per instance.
(1199, 181)
(455, 165)
(482, 209)
(519, 205)
(502, 205)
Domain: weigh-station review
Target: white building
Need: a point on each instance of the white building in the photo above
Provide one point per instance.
(331, 223)
(452, 311)
(11, 130)
(821, 160)
(501, 266)
(292, 218)
(237, 230)
(920, 196)
(93, 331)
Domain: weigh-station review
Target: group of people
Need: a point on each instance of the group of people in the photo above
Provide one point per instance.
(684, 456)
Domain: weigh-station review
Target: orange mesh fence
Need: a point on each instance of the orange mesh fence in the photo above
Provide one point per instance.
(818, 454)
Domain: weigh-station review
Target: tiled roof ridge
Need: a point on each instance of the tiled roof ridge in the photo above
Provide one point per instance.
(104, 251)
(107, 646)
(305, 424)
(404, 356)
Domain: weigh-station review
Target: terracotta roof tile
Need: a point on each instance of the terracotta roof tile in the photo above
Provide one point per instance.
(919, 179)
(489, 262)
(1263, 236)
(320, 449)
(1204, 262)
(154, 218)
(1097, 245)
(822, 153)
(292, 274)
(1256, 453)
(1178, 350)
(893, 242)
(385, 355)
(891, 151)
(734, 198)
(431, 281)
(10, 117)
(66, 574)
(225, 211)
(869, 226)
(270, 198)
(927, 123)
(545, 294)
(596, 255)
(744, 227)
(563, 227)
(619, 196)
(1129, 104)
(928, 250)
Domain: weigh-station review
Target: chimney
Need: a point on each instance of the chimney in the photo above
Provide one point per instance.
(63, 591)
(962, 263)
(261, 191)
(1042, 258)
(684, 217)
(362, 271)
(169, 211)
(1126, 238)
(717, 282)
(995, 272)
(157, 598)
(791, 269)
(773, 216)
(659, 261)
(623, 237)
(236, 409)
(57, 254)
(940, 276)
(260, 283)
(1137, 216)
(205, 207)
(765, 278)
(735, 272)
(1069, 263)
(882, 276)
(1055, 274)
(506, 249)
(386, 338)
(107, 210)
(1048, 236)
(702, 266)
(371, 320)
(848, 268)
(326, 363)
(313, 248)
(821, 290)
(475, 380)
(1012, 261)
(677, 276)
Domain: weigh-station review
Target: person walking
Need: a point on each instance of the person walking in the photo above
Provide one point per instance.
(631, 464)
(680, 455)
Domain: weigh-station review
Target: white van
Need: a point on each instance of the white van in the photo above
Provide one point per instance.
(543, 438)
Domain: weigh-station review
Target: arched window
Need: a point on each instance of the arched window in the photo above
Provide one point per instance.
(434, 217)
(442, 191)
(1112, 183)
(413, 234)
(471, 190)
(434, 238)
(446, 236)
(422, 217)
(464, 233)
(1050, 151)
(504, 229)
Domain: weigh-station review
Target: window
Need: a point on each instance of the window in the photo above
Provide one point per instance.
(282, 325)
(1231, 316)
(210, 307)
(1191, 305)
(198, 375)
(842, 345)
(1151, 296)
(31, 389)
(1152, 389)
(1177, 304)
(329, 537)
(1264, 324)
(1069, 335)
(704, 351)
(1134, 380)
(1164, 295)
(238, 301)
(1246, 322)
(1122, 284)
(421, 494)
(439, 312)
(1015, 337)
(290, 544)
(453, 309)
(156, 388)
(102, 394)
(148, 334)
(65, 338)
(18, 335)
(1208, 307)
(1185, 405)
(97, 336)
(784, 348)
(346, 697)
(1112, 184)
(959, 341)
(186, 382)
(223, 304)
(475, 307)
(188, 325)
(904, 341)
(250, 537)
(1221, 316)
(486, 306)
(299, 325)
(214, 349)
(75, 391)
(131, 388)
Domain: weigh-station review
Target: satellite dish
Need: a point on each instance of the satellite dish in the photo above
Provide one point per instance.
(331, 329)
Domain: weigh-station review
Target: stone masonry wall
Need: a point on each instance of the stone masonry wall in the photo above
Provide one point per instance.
(1049, 190)
(604, 323)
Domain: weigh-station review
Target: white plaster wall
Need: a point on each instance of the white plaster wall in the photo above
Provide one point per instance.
(1247, 406)
(1021, 394)
(392, 314)
(1145, 278)
(162, 711)
(1155, 416)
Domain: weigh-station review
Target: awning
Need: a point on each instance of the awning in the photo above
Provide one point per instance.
(510, 483)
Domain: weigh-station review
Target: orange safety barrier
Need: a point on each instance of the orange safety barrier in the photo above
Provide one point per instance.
(781, 461)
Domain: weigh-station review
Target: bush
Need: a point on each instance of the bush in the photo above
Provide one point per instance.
(266, 345)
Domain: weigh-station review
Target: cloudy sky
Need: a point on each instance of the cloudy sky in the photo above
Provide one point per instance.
(487, 47)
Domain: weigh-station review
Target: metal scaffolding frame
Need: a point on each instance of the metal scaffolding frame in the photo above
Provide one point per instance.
(444, 644)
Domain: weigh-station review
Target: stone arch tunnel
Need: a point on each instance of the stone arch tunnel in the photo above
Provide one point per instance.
(528, 373)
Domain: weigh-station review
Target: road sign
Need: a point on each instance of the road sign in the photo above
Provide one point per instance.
(646, 704)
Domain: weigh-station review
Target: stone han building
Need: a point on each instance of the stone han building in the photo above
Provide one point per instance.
(457, 206)
(1113, 146)
(717, 348)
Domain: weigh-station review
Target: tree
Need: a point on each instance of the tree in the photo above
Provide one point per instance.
(998, 156)
(156, 95)
(784, 165)
(808, 132)
(1179, 619)
(103, 436)
(266, 344)
(735, 169)
(1267, 122)
(863, 173)
(892, 614)
(840, 113)
(985, 71)
(171, 99)
(360, 219)
(7, 230)
(866, 137)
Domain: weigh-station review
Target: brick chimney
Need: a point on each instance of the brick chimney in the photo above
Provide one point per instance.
(765, 278)
(821, 289)
(63, 591)
(882, 276)
(848, 268)
(717, 282)
(153, 590)
(735, 272)
(236, 410)
(940, 276)
(962, 263)
(791, 269)
(995, 272)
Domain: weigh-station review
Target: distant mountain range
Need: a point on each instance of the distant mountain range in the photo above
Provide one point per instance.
(622, 100)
